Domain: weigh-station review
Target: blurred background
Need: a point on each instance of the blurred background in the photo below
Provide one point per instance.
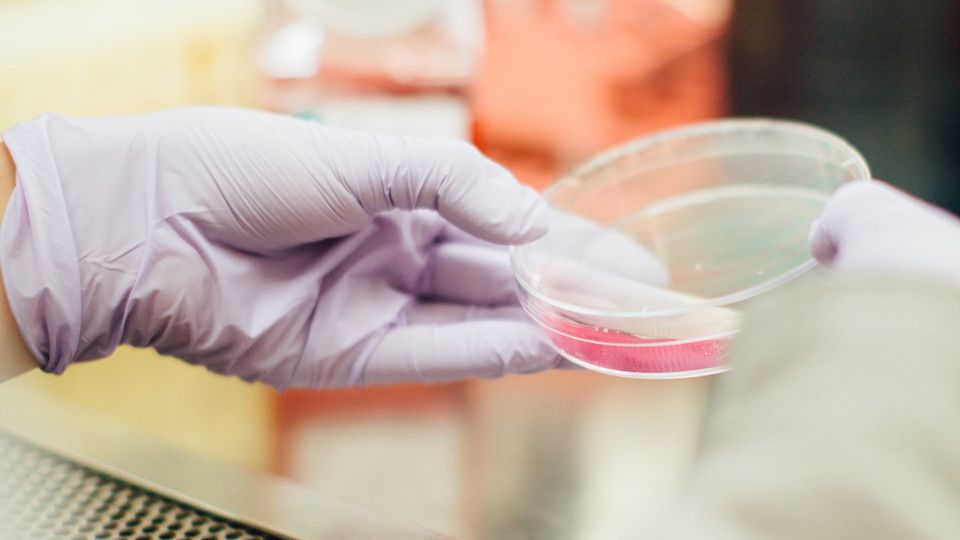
(538, 85)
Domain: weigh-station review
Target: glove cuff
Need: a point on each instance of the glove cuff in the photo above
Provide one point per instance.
(38, 256)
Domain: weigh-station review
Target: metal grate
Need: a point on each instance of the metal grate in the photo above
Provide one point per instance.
(44, 496)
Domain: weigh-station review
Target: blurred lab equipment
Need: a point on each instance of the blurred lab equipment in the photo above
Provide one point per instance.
(884, 74)
(99, 57)
(403, 66)
(561, 80)
(838, 418)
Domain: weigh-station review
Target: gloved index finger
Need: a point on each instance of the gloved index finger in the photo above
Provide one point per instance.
(455, 179)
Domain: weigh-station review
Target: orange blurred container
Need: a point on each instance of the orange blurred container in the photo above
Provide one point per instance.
(562, 79)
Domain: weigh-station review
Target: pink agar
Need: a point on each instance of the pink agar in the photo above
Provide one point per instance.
(626, 352)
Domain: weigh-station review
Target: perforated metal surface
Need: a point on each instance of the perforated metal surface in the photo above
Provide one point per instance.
(45, 496)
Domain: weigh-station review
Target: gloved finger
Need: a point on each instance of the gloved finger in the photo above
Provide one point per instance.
(826, 230)
(822, 245)
(434, 353)
(592, 244)
(578, 255)
(280, 182)
(454, 178)
(455, 234)
(442, 312)
(470, 273)
(872, 226)
(425, 313)
(855, 210)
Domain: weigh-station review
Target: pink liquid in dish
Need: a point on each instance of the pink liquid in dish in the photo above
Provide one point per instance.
(629, 353)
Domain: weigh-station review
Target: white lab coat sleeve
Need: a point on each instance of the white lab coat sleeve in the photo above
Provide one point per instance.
(840, 419)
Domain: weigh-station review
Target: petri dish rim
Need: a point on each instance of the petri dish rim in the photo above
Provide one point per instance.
(702, 129)
(666, 375)
(683, 341)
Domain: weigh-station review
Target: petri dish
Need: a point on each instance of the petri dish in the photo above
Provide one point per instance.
(657, 245)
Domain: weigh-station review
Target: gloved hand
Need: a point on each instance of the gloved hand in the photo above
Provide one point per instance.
(268, 248)
(873, 227)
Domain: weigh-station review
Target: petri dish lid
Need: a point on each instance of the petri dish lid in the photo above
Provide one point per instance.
(691, 219)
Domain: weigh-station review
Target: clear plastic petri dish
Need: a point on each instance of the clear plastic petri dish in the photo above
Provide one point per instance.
(657, 245)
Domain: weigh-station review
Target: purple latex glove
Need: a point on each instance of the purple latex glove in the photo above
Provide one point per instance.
(268, 248)
(872, 227)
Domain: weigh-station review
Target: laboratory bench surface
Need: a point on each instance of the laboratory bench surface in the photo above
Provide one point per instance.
(568, 454)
